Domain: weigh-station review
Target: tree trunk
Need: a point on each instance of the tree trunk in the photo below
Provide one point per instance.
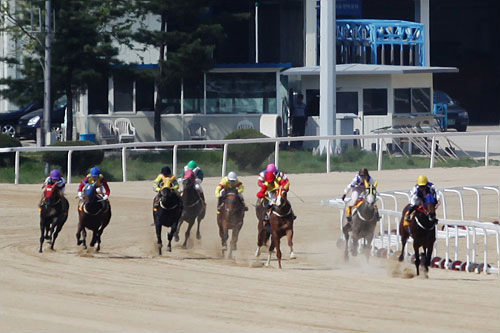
(69, 113)
(159, 83)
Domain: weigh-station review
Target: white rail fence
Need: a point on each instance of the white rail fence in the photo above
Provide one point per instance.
(328, 140)
(460, 240)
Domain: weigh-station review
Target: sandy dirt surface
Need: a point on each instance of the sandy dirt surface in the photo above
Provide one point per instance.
(128, 288)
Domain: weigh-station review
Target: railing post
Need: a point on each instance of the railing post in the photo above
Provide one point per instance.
(328, 145)
(224, 160)
(277, 154)
(124, 163)
(486, 150)
(174, 160)
(379, 145)
(16, 168)
(68, 169)
(433, 152)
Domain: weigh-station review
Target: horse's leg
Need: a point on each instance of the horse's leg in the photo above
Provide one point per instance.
(271, 249)
(260, 238)
(355, 246)
(58, 227)
(428, 256)
(198, 234)
(276, 241)
(158, 236)
(84, 238)
(170, 235)
(235, 235)
(289, 236)
(42, 232)
(346, 251)
(404, 238)
(78, 234)
(417, 256)
(367, 246)
(188, 232)
(176, 235)
(220, 224)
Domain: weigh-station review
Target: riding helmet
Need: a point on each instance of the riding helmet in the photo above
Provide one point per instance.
(271, 168)
(422, 180)
(192, 165)
(166, 171)
(55, 174)
(95, 172)
(232, 176)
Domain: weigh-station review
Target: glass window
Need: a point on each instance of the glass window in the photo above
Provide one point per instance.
(144, 94)
(402, 100)
(193, 95)
(241, 93)
(375, 102)
(98, 96)
(123, 87)
(347, 102)
(171, 98)
(421, 100)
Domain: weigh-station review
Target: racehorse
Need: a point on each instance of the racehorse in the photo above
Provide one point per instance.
(167, 214)
(280, 224)
(94, 214)
(364, 219)
(193, 210)
(230, 217)
(422, 229)
(53, 214)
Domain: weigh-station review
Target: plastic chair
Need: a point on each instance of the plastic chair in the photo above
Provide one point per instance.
(197, 131)
(124, 129)
(105, 131)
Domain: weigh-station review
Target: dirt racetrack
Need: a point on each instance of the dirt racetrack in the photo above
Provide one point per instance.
(128, 288)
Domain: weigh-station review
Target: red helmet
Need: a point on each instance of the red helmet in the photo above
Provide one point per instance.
(189, 174)
(270, 177)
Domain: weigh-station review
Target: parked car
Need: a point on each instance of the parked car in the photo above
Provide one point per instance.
(27, 125)
(9, 120)
(458, 117)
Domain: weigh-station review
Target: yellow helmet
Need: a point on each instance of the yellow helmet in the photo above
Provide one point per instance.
(422, 180)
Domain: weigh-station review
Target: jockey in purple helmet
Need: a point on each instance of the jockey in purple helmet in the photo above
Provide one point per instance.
(56, 177)
(280, 176)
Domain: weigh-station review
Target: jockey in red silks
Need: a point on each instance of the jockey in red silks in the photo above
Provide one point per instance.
(280, 177)
(95, 176)
(57, 178)
(269, 186)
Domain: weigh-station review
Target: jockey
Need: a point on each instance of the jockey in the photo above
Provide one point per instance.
(198, 173)
(281, 177)
(165, 179)
(56, 177)
(268, 189)
(227, 183)
(357, 188)
(95, 176)
(417, 196)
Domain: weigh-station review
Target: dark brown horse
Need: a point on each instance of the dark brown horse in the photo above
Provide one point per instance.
(423, 231)
(230, 217)
(53, 214)
(94, 214)
(167, 214)
(193, 210)
(280, 223)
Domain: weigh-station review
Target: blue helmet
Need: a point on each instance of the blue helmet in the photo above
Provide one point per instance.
(95, 172)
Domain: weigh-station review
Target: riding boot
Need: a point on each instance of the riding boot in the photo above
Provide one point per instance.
(219, 204)
(156, 201)
(348, 214)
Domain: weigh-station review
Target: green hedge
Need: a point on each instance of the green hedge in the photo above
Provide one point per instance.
(6, 141)
(248, 156)
(81, 160)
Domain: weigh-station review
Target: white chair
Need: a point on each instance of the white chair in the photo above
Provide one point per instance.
(197, 131)
(245, 124)
(124, 129)
(105, 131)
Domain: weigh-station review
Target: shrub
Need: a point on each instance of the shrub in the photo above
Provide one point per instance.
(6, 141)
(249, 156)
(81, 160)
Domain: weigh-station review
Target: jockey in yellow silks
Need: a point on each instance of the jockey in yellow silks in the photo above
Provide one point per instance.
(230, 182)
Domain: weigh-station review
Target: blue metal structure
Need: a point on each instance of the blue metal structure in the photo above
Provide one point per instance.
(367, 41)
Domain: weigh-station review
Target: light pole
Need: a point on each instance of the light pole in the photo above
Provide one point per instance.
(47, 105)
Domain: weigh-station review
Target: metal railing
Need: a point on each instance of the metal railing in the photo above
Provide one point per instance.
(327, 140)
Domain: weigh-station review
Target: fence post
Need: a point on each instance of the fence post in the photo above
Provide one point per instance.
(224, 160)
(68, 180)
(16, 168)
(433, 151)
(486, 152)
(277, 154)
(174, 160)
(328, 145)
(379, 146)
(124, 163)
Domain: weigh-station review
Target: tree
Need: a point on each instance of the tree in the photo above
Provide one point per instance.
(82, 47)
(188, 34)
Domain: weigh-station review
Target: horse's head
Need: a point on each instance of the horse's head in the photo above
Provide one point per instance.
(51, 194)
(430, 205)
(370, 192)
(166, 193)
(89, 192)
(232, 202)
(281, 196)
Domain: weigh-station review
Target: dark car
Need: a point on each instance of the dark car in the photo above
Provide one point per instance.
(27, 125)
(458, 117)
(9, 120)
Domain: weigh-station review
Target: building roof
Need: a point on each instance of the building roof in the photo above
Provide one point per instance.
(367, 69)
(250, 67)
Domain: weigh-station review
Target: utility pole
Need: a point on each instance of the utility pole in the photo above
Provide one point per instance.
(47, 105)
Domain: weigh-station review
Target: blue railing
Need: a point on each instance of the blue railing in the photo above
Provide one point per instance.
(367, 41)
